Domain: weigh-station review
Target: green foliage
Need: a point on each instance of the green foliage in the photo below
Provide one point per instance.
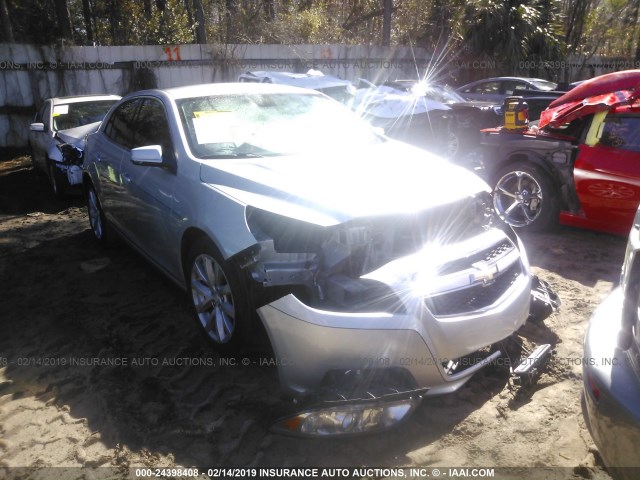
(129, 24)
(612, 26)
(511, 32)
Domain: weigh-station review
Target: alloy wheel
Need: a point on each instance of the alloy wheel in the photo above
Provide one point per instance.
(518, 198)
(213, 299)
(95, 215)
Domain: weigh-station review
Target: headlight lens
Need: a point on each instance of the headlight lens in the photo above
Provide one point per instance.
(348, 419)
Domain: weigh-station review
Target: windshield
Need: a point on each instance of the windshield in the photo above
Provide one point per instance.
(544, 84)
(230, 126)
(72, 115)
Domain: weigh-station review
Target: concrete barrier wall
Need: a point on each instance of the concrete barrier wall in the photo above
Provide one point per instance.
(29, 74)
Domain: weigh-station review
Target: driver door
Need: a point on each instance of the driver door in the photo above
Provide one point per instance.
(149, 190)
(607, 174)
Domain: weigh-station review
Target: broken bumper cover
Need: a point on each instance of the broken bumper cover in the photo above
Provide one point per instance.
(436, 351)
(73, 173)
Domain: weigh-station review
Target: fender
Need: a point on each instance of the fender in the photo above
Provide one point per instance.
(555, 156)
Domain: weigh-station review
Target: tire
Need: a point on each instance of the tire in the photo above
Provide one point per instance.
(525, 198)
(56, 180)
(219, 298)
(453, 145)
(97, 220)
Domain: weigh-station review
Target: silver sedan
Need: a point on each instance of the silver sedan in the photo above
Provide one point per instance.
(358, 253)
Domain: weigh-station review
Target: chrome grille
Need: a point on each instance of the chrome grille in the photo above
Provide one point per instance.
(475, 281)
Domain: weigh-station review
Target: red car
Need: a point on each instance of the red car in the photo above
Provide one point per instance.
(580, 165)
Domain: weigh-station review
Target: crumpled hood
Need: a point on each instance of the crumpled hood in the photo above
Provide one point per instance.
(76, 135)
(386, 178)
(595, 95)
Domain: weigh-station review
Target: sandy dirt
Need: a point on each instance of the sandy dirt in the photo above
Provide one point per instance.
(66, 299)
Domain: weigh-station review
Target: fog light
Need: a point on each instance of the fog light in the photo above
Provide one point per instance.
(347, 419)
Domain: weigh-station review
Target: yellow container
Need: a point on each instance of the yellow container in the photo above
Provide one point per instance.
(516, 113)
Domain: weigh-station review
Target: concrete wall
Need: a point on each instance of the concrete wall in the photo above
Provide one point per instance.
(29, 74)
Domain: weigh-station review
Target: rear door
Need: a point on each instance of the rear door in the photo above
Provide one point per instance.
(607, 175)
(108, 148)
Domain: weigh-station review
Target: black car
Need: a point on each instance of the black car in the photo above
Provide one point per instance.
(430, 115)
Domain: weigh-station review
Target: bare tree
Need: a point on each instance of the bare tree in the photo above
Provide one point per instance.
(146, 4)
(386, 22)
(201, 31)
(64, 20)
(269, 9)
(88, 20)
(231, 14)
(7, 31)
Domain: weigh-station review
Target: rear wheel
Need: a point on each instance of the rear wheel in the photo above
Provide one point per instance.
(525, 198)
(218, 297)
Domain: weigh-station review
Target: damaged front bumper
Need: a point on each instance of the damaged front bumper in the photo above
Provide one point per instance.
(441, 337)
(71, 164)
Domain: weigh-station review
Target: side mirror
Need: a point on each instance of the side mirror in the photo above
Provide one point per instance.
(150, 156)
(37, 127)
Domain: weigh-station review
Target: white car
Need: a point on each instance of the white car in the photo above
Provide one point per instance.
(377, 269)
(336, 88)
(65, 120)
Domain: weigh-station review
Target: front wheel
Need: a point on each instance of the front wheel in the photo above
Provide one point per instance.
(524, 197)
(218, 297)
(56, 180)
(453, 145)
(97, 220)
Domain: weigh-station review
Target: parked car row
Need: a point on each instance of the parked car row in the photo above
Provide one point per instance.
(381, 273)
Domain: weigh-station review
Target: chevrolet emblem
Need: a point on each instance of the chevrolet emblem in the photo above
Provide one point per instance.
(485, 273)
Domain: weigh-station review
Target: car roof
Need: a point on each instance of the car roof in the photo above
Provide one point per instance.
(306, 80)
(82, 98)
(495, 79)
(203, 90)
(526, 79)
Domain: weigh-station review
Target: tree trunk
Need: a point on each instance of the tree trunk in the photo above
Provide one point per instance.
(88, 17)
(386, 22)
(146, 4)
(64, 21)
(114, 23)
(232, 9)
(269, 9)
(201, 31)
(7, 31)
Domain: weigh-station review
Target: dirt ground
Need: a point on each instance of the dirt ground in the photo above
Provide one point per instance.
(64, 298)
